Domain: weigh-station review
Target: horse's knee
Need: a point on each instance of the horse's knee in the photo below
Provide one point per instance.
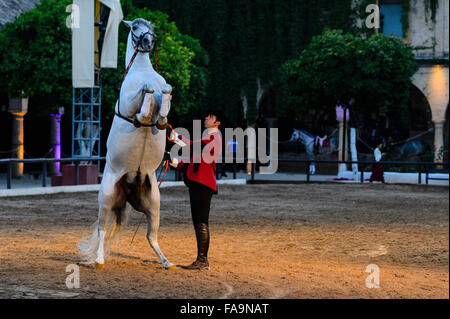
(166, 88)
(147, 88)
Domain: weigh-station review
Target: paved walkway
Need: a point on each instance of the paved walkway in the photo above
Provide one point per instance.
(33, 181)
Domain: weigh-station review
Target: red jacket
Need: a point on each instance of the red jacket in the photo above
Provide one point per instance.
(206, 173)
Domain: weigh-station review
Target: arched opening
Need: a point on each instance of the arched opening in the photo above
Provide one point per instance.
(415, 126)
(408, 133)
(420, 116)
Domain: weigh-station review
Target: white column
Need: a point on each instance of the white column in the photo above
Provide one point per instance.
(251, 152)
(438, 139)
(341, 155)
(341, 137)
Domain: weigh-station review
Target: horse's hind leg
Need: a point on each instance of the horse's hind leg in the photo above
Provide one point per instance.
(110, 196)
(153, 224)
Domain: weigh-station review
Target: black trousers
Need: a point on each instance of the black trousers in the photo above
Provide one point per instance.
(200, 198)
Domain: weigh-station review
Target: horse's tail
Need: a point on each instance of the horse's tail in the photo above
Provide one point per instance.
(88, 246)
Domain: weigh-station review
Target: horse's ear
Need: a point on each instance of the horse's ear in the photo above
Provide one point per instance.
(128, 23)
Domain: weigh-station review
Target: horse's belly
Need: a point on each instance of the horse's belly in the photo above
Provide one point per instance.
(130, 149)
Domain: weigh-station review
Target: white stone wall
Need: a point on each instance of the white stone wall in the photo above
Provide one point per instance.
(428, 36)
(431, 38)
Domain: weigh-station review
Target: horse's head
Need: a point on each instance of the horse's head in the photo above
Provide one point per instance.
(295, 137)
(142, 34)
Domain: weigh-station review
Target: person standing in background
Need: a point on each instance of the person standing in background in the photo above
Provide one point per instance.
(233, 145)
(377, 168)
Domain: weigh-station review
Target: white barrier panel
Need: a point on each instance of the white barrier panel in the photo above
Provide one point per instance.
(83, 46)
(91, 188)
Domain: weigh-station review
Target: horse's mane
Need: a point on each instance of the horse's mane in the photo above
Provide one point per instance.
(145, 22)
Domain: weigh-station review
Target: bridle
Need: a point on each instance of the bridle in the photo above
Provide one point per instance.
(138, 39)
(137, 42)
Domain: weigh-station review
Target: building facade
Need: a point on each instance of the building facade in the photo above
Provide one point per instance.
(426, 29)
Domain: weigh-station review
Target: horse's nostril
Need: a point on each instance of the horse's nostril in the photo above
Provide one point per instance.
(145, 40)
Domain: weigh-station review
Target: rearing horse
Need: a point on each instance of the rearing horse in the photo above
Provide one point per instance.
(135, 149)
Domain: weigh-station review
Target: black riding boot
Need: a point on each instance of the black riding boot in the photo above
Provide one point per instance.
(202, 234)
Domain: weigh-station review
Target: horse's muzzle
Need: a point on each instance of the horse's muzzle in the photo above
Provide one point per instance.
(146, 44)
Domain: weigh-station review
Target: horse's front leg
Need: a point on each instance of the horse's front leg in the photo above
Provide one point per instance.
(165, 104)
(145, 114)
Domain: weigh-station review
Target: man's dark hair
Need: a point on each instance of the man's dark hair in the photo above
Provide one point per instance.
(218, 115)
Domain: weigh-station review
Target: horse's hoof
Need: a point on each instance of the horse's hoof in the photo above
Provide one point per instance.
(99, 266)
(172, 267)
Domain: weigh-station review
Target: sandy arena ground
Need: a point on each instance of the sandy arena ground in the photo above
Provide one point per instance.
(267, 241)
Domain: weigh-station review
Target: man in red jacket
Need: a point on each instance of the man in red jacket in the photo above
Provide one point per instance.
(199, 177)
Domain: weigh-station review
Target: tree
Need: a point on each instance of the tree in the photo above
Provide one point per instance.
(35, 58)
(338, 66)
(249, 40)
(181, 61)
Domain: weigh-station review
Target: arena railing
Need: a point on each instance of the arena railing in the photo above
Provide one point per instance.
(44, 161)
(423, 167)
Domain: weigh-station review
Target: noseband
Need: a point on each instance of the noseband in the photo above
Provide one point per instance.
(137, 40)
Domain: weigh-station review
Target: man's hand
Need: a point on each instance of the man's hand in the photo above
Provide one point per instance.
(174, 137)
(166, 156)
(174, 162)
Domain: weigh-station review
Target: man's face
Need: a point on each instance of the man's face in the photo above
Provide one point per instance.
(210, 121)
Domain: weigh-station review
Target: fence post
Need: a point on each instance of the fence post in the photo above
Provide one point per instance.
(44, 174)
(308, 164)
(253, 171)
(76, 173)
(362, 174)
(9, 176)
(420, 174)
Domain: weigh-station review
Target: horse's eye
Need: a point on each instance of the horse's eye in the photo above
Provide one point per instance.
(134, 28)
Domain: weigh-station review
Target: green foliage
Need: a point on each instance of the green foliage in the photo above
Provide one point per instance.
(35, 55)
(35, 58)
(405, 16)
(247, 40)
(181, 61)
(375, 72)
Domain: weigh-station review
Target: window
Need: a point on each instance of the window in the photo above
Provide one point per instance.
(391, 14)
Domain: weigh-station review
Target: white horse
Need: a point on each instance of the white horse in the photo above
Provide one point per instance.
(135, 149)
(306, 139)
(310, 142)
